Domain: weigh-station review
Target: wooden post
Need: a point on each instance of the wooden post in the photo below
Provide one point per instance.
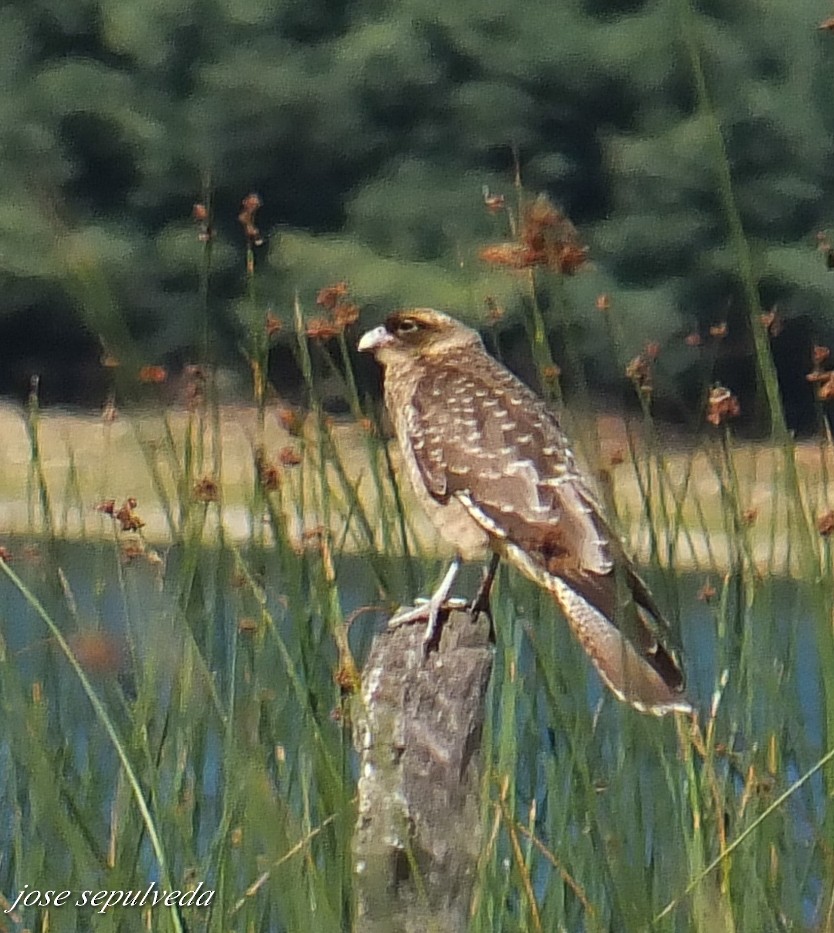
(418, 733)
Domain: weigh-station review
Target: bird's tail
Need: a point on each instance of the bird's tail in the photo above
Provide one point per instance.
(629, 655)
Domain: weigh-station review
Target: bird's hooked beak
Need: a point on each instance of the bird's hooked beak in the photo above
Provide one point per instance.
(376, 339)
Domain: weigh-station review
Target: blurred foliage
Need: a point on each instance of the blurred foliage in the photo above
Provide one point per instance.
(371, 131)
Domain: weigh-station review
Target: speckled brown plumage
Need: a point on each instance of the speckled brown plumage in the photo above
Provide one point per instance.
(491, 466)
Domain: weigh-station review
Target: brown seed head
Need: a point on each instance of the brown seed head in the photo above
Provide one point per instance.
(639, 371)
(153, 375)
(825, 389)
(249, 207)
(819, 355)
(345, 314)
(825, 524)
(273, 324)
(547, 239)
(268, 474)
(108, 506)
(329, 296)
(289, 457)
(291, 421)
(772, 322)
(707, 592)
(550, 374)
(319, 328)
(206, 490)
(721, 405)
(126, 516)
(493, 202)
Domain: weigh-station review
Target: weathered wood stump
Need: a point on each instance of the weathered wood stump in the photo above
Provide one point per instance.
(418, 732)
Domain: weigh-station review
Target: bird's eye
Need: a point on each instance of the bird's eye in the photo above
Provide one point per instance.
(407, 326)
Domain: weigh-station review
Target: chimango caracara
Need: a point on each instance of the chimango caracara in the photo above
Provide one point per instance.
(493, 470)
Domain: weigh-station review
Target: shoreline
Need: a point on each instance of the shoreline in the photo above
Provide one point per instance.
(84, 461)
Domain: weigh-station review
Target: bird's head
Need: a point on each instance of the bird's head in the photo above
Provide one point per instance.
(418, 333)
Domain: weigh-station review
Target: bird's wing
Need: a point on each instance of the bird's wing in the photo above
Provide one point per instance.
(482, 436)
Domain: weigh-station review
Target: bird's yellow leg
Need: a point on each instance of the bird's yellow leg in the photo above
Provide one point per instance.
(430, 610)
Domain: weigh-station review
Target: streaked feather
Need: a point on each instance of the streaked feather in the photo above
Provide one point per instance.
(481, 448)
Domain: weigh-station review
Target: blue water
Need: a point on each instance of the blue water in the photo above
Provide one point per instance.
(149, 623)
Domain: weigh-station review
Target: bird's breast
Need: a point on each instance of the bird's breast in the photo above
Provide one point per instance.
(448, 515)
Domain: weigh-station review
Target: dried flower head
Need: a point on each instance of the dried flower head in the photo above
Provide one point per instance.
(493, 202)
(825, 390)
(126, 515)
(707, 592)
(550, 374)
(206, 490)
(819, 355)
(772, 322)
(824, 379)
(719, 331)
(289, 457)
(603, 302)
(200, 216)
(721, 405)
(195, 386)
(319, 328)
(249, 208)
(291, 421)
(330, 296)
(273, 325)
(345, 314)
(639, 371)
(546, 238)
(268, 474)
(693, 339)
(347, 677)
(341, 312)
(153, 375)
(825, 524)
(512, 255)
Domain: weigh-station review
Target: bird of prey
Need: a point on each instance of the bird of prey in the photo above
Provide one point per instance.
(491, 466)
